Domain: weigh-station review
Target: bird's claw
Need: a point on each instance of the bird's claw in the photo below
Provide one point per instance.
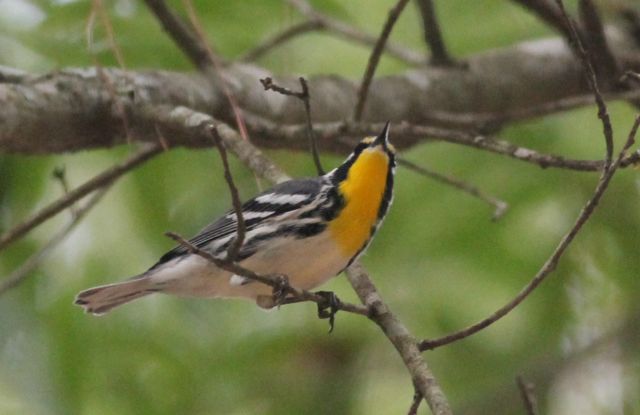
(329, 307)
(281, 289)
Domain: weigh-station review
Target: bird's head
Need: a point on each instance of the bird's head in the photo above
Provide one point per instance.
(372, 156)
(379, 143)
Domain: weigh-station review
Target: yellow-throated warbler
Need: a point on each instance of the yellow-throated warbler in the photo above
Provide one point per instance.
(307, 229)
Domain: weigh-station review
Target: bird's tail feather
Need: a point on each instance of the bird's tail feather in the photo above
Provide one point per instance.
(100, 300)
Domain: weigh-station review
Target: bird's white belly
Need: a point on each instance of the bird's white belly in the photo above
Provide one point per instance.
(307, 263)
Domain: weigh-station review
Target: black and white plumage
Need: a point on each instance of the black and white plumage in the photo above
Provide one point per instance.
(307, 229)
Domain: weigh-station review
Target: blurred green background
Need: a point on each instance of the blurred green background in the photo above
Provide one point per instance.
(439, 261)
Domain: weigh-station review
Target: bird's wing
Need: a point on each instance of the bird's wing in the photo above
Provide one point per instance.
(284, 198)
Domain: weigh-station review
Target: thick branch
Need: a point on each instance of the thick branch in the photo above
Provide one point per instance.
(401, 338)
(72, 109)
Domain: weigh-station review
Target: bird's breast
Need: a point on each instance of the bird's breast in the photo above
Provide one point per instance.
(362, 190)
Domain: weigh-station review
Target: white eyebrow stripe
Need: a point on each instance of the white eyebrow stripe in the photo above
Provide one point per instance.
(281, 199)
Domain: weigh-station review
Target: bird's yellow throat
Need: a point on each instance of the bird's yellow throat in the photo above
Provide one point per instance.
(362, 191)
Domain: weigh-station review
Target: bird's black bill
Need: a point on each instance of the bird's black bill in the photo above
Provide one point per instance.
(383, 138)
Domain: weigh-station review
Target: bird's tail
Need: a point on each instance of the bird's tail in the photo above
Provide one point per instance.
(100, 300)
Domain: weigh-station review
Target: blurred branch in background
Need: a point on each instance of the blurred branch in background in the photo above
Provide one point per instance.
(527, 392)
(374, 58)
(433, 35)
(499, 207)
(608, 171)
(277, 40)
(550, 264)
(105, 178)
(352, 34)
(35, 260)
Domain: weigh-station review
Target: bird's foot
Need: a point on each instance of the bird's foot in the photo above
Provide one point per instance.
(281, 289)
(329, 307)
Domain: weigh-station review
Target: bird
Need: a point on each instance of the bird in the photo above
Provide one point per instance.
(307, 229)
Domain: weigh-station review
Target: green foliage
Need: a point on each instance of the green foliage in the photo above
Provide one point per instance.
(439, 261)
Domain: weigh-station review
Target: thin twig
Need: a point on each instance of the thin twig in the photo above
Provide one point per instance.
(280, 38)
(278, 282)
(26, 269)
(334, 133)
(194, 44)
(305, 97)
(195, 125)
(549, 14)
(499, 206)
(60, 175)
(415, 403)
(98, 7)
(268, 84)
(600, 52)
(106, 177)
(608, 171)
(214, 69)
(332, 136)
(593, 82)
(374, 58)
(433, 35)
(485, 143)
(336, 27)
(312, 138)
(184, 37)
(549, 266)
(527, 392)
(234, 247)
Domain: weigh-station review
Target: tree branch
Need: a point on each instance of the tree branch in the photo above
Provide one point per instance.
(279, 283)
(549, 14)
(338, 28)
(433, 35)
(550, 265)
(499, 207)
(72, 109)
(234, 247)
(304, 96)
(404, 342)
(603, 60)
(527, 394)
(592, 80)
(374, 58)
(19, 275)
(105, 178)
(182, 34)
(280, 38)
